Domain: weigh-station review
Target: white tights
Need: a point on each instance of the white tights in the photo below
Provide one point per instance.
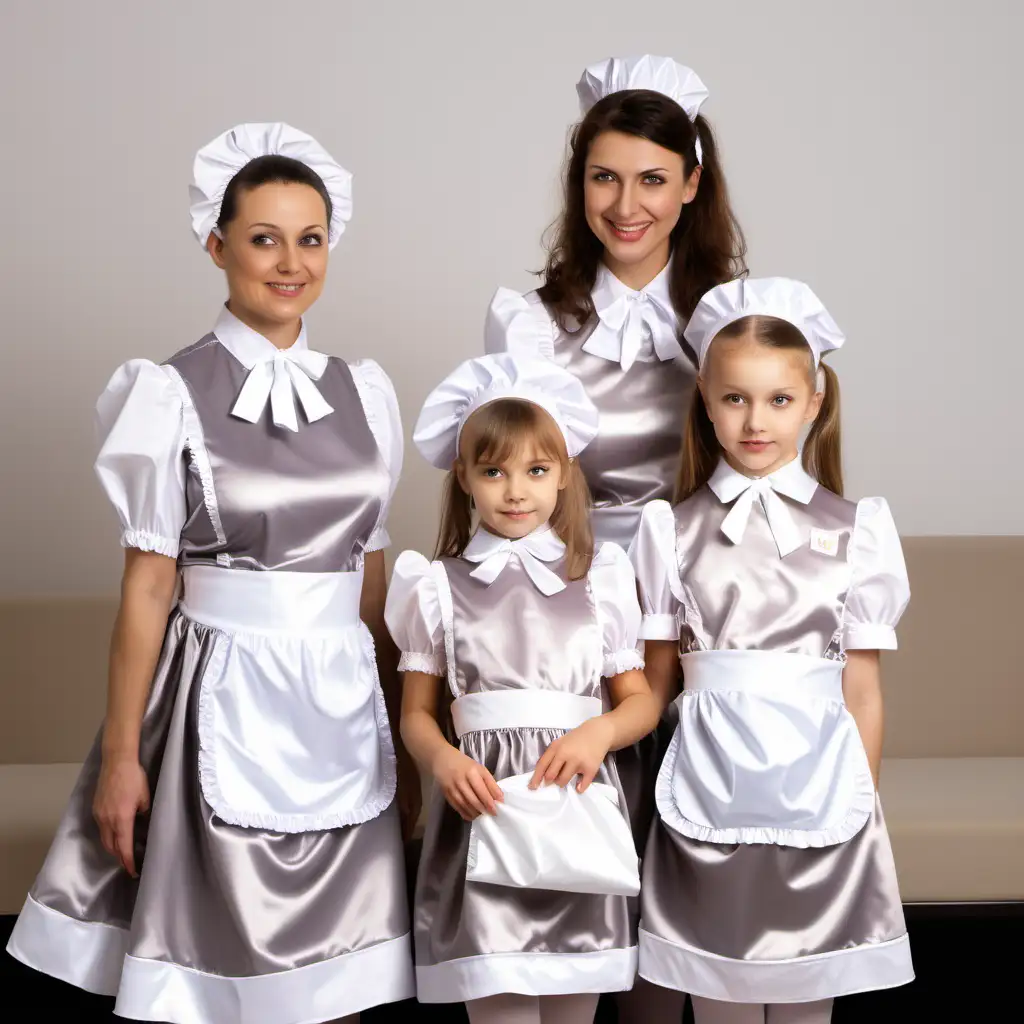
(710, 1011)
(510, 1008)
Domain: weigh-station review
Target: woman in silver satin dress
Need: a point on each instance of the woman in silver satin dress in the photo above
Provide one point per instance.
(769, 886)
(264, 882)
(645, 230)
(521, 620)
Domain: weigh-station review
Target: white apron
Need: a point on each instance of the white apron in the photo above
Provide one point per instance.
(765, 751)
(293, 730)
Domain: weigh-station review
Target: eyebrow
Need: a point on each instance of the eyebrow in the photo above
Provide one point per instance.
(650, 170)
(274, 227)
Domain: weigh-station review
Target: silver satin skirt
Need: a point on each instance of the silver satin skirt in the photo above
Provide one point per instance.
(475, 939)
(224, 924)
(755, 923)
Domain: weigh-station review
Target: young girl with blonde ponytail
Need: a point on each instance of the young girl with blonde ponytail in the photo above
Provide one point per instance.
(769, 886)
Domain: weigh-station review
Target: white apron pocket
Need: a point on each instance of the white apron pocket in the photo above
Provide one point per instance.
(555, 839)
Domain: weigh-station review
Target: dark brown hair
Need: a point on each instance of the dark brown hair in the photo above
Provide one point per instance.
(708, 247)
(263, 170)
(822, 454)
(493, 434)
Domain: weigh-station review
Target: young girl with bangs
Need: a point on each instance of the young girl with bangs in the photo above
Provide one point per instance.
(768, 884)
(521, 900)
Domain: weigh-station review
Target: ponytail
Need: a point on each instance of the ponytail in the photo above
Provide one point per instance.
(823, 454)
(701, 450)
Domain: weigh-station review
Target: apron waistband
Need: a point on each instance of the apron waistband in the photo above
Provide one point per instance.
(255, 601)
(522, 709)
(781, 676)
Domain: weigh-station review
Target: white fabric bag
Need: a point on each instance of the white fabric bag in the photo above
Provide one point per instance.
(556, 839)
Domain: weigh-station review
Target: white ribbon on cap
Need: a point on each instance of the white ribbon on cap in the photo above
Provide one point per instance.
(494, 553)
(620, 334)
(780, 522)
(278, 378)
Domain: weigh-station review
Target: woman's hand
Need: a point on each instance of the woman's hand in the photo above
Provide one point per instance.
(579, 752)
(468, 786)
(122, 793)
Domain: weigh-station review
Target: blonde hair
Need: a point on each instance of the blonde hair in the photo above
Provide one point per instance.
(499, 430)
(822, 454)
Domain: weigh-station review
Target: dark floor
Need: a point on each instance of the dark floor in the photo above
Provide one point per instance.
(969, 960)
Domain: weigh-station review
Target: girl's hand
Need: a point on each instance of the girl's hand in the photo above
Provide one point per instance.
(579, 752)
(121, 793)
(468, 786)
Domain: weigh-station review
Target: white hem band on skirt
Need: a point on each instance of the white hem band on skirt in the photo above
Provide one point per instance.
(530, 974)
(92, 956)
(841, 972)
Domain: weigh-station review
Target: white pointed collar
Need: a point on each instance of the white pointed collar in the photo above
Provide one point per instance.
(275, 375)
(493, 553)
(790, 480)
(623, 313)
(249, 346)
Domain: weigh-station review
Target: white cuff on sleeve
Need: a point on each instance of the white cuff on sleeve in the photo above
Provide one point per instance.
(659, 627)
(869, 636)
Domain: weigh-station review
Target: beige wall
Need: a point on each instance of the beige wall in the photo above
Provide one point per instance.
(872, 148)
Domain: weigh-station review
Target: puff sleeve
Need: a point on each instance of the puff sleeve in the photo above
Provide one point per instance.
(380, 405)
(518, 324)
(141, 463)
(618, 610)
(413, 615)
(653, 554)
(879, 590)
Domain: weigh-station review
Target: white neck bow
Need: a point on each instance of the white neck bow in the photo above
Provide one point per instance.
(790, 480)
(494, 553)
(619, 334)
(279, 378)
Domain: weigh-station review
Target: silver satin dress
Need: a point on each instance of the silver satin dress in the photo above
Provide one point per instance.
(765, 922)
(476, 939)
(227, 923)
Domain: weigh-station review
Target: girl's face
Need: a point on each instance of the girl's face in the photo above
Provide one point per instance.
(634, 191)
(274, 253)
(515, 496)
(759, 399)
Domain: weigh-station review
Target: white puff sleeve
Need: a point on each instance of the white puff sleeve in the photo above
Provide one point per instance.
(653, 554)
(413, 615)
(880, 590)
(380, 405)
(519, 324)
(141, 463)
(618, 609)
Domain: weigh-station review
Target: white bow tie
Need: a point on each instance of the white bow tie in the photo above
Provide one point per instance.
(279, 378)
(532, 551)
(780, 521)
(619, 335)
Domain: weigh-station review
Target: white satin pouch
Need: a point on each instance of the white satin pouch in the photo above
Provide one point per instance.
(556, 839)
(765, 751)
(293, 730)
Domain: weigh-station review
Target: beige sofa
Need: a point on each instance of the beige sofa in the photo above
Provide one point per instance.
(952, 782)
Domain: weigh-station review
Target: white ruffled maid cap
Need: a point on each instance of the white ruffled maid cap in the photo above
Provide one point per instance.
(220, 160)
(657, 74)
(780, 297)
(485, 379)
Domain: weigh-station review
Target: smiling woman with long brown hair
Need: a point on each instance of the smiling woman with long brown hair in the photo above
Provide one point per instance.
(232, 851)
